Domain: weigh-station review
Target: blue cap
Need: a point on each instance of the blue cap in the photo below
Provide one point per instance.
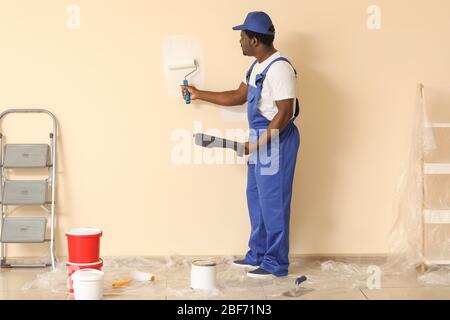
(257, 21)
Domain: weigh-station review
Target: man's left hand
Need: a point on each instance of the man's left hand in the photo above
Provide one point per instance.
(250, 147)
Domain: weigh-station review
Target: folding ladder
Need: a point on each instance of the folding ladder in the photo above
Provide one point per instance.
(34, 193)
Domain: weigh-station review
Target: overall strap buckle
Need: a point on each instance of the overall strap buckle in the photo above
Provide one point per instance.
(249, 72)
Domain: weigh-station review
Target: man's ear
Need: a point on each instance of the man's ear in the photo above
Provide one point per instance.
(254, 42)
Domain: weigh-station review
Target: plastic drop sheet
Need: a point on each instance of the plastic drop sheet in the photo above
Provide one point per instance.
(172, 279)
(117, 269)
(421, 234)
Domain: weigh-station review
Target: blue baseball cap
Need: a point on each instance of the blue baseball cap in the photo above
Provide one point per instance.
(257, 21)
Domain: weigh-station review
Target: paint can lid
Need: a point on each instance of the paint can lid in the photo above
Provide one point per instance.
(204, 263)
(84, 232)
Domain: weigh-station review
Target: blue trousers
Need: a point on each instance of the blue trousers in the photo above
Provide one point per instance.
(269, 200)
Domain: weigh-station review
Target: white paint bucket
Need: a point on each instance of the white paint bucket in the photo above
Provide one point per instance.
(88, 284)
(203, 275)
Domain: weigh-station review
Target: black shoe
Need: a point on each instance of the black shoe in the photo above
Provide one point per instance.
(242, 263)
(259, 273)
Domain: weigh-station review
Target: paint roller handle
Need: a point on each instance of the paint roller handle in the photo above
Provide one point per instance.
(187, 97)
(194, 93)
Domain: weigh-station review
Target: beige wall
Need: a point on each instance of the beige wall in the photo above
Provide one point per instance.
(105, 83)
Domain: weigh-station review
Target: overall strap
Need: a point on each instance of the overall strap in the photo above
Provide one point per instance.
(249, 72)
(260, 79)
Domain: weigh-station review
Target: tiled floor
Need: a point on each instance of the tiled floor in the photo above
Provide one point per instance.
(173, 283)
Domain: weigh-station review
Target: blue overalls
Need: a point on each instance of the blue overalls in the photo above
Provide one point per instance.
(269, 192)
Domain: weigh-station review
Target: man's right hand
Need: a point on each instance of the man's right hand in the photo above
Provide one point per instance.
(192, 90)
(227, 98)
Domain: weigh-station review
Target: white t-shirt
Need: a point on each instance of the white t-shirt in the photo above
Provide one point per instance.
(279, 84)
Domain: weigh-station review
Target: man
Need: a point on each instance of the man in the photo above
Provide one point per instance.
(269, 89)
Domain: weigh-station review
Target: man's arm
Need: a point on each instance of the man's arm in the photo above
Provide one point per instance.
(227, 98)
(279, 122)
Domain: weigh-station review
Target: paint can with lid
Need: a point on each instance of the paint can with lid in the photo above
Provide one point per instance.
(84, 245)
(203, 275)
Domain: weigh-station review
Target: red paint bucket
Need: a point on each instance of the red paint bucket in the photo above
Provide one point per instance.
(72, 267)
(84, 245)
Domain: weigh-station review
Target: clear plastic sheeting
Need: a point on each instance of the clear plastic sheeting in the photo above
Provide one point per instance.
(322, 276)
(55, 281)
(116, 270)
(420, 238)
(172, 279)
(438, 277)
(405, 238)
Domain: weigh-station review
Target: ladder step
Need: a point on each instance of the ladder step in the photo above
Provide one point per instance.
(21, 192)
(437, 168)
(437, 262)
(437, 125)
(25, 264)
(26, 156)
(437, 216)
(12, 265)
(24, 230)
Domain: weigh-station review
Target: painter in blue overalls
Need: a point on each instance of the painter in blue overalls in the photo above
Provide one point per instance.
(274, 141)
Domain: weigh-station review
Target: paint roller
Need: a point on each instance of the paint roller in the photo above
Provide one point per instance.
(185, 64)
(137, 276)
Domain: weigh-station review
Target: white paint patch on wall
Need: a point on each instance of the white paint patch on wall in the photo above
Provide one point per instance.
(182, 48)
(234, 114)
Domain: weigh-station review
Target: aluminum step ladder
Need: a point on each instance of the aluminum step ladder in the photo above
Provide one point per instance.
(34, 193)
